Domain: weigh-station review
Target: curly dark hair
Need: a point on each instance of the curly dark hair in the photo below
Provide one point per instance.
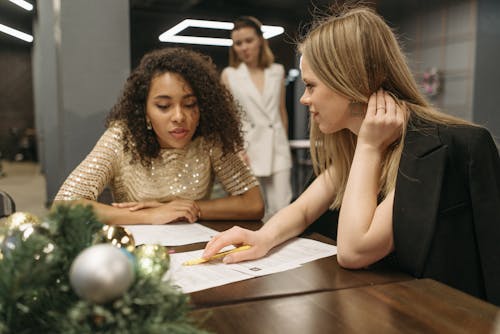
(220, 118)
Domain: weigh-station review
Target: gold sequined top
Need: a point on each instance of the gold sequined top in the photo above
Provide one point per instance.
(186, 173)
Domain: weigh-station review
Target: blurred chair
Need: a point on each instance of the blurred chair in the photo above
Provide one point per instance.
(7, 205)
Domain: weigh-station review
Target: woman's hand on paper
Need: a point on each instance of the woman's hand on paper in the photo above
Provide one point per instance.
(237, 236)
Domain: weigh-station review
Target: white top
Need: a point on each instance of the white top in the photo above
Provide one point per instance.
(265, 138)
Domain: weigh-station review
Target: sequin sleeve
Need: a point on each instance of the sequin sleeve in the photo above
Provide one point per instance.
(234, 175)
(95, 172)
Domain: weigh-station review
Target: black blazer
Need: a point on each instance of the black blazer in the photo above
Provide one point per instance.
(446, 216)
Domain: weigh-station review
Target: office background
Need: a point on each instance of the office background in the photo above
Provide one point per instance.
(64, 83)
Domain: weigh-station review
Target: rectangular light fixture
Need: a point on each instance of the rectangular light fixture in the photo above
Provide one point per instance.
(16, 33)
(171, 35)
(23, 4)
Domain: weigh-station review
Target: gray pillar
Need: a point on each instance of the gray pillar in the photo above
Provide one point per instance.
(81, 58)
(487, 71)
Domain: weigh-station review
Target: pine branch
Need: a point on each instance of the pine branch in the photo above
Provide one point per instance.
(35, 293)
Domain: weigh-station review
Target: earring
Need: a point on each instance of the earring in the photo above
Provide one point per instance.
(357, 109)
(148, 125)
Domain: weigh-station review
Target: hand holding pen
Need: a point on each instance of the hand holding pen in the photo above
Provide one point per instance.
(238, 236)
(216, 256)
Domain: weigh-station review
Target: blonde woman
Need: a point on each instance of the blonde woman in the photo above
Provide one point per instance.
(257, 83)
(407, 179)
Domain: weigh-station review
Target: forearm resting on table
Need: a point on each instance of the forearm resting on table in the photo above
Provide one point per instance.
(285, 224)
(365, 228)
(246, 206)
(108, 214)
(294, 219)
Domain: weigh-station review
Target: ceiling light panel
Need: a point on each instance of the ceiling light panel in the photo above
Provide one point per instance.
(16, 33)
(23, 4)
(171, 35)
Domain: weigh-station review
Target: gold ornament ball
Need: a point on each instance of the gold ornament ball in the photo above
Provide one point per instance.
(21, 230)
(23, 221)
(116, 235)
(152, 260)
(17, 219)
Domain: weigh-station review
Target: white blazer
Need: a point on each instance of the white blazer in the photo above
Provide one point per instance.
(266, 141)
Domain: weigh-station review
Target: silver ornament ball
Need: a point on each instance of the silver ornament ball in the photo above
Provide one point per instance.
(101, 273)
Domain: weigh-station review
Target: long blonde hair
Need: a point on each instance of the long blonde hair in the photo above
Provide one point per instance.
(354, 52)
(266, 56)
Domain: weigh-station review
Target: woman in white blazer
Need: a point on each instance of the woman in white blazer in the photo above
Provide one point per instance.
(257, 83)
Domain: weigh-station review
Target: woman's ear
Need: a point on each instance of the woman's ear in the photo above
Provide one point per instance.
(357, 109)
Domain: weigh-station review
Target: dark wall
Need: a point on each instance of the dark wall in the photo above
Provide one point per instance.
(486, 87)
(16, 94)
(16, 87)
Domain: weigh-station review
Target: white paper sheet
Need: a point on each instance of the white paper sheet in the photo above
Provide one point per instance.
(174, 234)
(215, 273)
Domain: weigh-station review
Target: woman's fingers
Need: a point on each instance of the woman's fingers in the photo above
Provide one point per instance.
(124, 204)
(371, 110)
(134, 206)
(390, 105)
(383, 122)
(381, 107)
(139, 206)
(183, 214)
(186, 209)
(245, 255)
(376, 104)
(174, 211)
(395, 119)
(234, 236)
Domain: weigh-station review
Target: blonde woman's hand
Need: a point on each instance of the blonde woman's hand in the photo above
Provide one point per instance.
(134, 206)
(237, 236)
(383, 122)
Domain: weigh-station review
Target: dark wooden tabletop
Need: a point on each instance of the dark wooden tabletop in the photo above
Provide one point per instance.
(321, 275)
(414, 306)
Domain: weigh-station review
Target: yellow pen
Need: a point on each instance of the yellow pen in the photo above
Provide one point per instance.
(216, 256)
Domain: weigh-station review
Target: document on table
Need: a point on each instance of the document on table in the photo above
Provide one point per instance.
(290, 255)
(174, 234)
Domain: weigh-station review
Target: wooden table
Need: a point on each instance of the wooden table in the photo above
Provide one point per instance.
(321, 297)
(321, 275)
(415, 306)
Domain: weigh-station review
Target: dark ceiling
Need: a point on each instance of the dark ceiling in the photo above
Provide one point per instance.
(149, 18)
(230, 8)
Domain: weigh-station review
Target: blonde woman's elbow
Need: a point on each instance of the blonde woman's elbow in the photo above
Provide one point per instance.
(349, 259)
(360, 256)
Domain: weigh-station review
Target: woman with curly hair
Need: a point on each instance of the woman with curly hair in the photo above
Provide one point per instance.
(173, 131)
